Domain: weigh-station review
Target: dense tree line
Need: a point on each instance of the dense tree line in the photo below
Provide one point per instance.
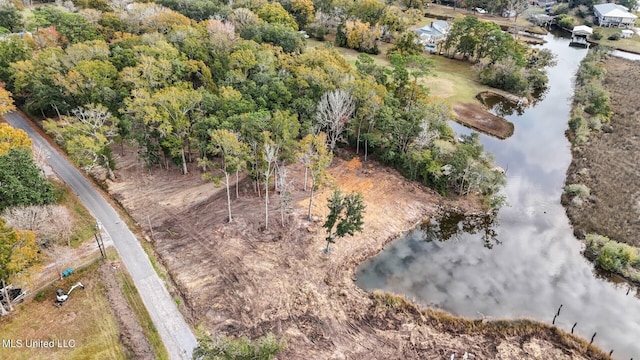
(503, 62)
(228, 94)
(21, 185)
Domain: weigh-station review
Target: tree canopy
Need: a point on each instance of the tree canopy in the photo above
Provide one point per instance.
(345, 215)
(166, 75)
(21, 180)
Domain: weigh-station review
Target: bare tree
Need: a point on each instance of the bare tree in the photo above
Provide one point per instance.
(334, 111)
(234, 155)
(5, 295)
(67, 5)
(306, 156)
(47, 221)
(437, 115)
(270, 156)
(284, 190)
(86, 135)
(517, 7)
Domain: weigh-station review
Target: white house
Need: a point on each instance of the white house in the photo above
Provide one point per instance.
(626, 34)
(614, 15)
(545, 4)
(434, 33)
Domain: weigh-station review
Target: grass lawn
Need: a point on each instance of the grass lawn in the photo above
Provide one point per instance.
(86, 319)
(632, 44)
(451, 80)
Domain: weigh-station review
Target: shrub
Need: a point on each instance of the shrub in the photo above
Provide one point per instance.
(575, 123)
(614, 36)
(595, 123)
(560, 9)
(40, 296)
(317, 31)
(235, 349)
(599, 103)
(505, 75)
(566, 22)
(595, 241)
(579, 190)
(615, 256)
(597, 35)
(581, 135)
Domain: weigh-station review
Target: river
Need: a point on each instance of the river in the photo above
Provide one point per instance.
(527, 262)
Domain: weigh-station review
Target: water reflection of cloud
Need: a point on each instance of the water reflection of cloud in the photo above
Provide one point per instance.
(538, 265)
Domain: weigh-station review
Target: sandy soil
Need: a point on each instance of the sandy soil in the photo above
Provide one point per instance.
(477, 117)
(238, 279)
(609, 164)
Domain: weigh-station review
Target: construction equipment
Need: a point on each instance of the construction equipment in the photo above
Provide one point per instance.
(61, 297)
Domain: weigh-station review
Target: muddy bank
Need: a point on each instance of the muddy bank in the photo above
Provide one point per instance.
(609, 163)
(478, 118)
(238, 279)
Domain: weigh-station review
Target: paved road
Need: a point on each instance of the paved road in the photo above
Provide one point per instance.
(174, 331)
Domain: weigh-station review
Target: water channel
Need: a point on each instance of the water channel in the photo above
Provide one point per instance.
(527, 262)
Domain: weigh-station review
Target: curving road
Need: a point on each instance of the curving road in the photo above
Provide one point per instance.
(173, 329)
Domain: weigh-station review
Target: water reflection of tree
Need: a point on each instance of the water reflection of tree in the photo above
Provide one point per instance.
(504, 107)
(452, 224)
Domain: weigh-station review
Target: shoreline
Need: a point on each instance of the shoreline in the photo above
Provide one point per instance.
(477, 117)
(305, 296)
(603, 161)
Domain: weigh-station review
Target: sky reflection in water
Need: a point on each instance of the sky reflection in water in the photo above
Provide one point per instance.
(536, 265)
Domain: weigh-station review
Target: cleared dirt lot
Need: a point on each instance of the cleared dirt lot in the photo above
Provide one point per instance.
(609, 163)
(238, 279)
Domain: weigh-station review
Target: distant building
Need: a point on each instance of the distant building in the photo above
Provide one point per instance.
(508, 13)
(626, 34)
(580, 35)
(613, 15)
(545, 4)
(20, 34)
(434, 33)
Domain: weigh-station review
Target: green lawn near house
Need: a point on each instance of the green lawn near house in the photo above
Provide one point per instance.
(631, 44)
(451, 80)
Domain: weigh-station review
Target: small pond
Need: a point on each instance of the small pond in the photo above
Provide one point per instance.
(525, 261)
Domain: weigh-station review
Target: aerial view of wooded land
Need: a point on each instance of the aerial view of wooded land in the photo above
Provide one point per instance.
(261, 150)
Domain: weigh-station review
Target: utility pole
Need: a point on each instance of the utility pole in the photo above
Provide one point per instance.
(98, 236)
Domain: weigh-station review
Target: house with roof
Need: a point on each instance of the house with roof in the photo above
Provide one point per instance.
(545, 4)
(580, 35)
(608, 15)
(434, 33)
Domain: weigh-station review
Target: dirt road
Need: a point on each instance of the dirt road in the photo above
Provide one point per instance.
(174, 331)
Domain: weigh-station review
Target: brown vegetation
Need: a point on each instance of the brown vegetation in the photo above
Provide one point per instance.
(85, 323)
(238, 279)
(476, 117)
(608, 163)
